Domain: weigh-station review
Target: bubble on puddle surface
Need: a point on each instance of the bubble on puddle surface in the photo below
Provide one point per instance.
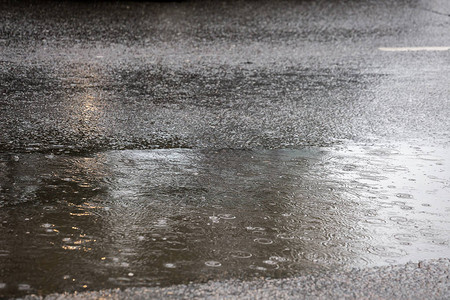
(213, 263)
(170, 265)
(226, 216)
(131, 274)
(269, 262)
(141, 238)
(263, 241)
(47, 225)
(241, 254)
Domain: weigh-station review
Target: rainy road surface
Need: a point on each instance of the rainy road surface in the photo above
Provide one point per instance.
(152, 144)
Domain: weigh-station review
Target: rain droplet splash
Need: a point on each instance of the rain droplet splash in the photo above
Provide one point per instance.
(259, 211)
(264, 241)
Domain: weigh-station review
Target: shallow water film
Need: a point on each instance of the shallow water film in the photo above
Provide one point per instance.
(160, 217)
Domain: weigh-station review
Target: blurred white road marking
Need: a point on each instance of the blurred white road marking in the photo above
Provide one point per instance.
(404, 49)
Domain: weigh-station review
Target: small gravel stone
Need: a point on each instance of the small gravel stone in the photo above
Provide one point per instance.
(424, 280)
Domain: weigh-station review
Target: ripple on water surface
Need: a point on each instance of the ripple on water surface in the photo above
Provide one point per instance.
(213, 263)
(133, 218)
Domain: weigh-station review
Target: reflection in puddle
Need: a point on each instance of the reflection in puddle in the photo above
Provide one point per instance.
(146, 218)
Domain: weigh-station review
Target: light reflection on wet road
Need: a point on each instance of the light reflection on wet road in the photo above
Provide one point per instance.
(130, 218)
(336, 150)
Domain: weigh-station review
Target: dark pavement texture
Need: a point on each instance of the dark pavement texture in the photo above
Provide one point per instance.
(81, 76)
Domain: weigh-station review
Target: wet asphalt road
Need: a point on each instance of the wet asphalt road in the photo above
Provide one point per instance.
(86, 77)
(425, 280)
(78, 76)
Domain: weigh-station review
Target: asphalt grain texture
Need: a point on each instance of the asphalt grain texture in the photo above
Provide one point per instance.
(82, 77)
(423, 280)
(77, 76)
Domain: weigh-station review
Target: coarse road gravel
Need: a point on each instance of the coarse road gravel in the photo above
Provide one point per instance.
(424, 280)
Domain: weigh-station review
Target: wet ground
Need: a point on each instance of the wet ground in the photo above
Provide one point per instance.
(423, 280)
(147, 144)
(160, 217)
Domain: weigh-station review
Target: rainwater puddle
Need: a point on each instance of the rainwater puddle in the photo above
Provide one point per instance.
(162, 217)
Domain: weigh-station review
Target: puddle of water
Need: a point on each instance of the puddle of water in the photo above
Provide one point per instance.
(148, 218)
